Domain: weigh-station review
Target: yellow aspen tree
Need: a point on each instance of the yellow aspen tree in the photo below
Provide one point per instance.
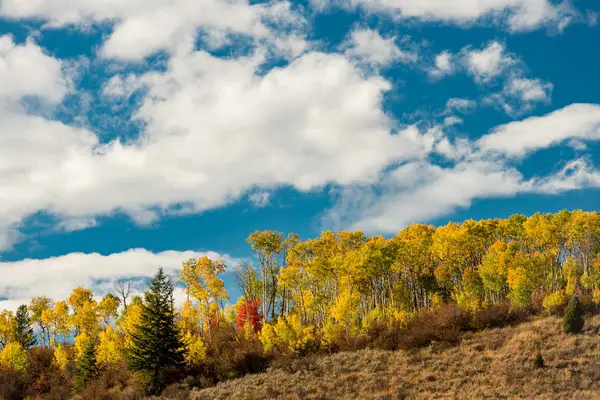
(57, 320)
(81, 342)
(195, 349)
(107, 308)
(130, 320)
(494, 271)
(37, 307)
(203, 285)
(7, 319)
(84, 313)
(109, 351)
(14, 356)
(267, 245)
(62, 357)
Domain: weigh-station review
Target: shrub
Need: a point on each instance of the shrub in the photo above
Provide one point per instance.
(538, 361)
(498, 315)
(444, 325)
(573, 319)
(44, 376)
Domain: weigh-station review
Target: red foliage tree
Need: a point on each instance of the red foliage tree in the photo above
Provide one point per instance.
(250, 311)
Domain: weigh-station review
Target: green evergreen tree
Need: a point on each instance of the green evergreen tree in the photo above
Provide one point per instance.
(157, 344)
(22, 329)
(86, 366)
(573, 319)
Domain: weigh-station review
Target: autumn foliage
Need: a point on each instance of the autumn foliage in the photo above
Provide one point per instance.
(249, 314)
(338, 291)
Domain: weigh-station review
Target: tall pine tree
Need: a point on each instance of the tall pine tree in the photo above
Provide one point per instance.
(87, 368)
(22, 329)
(156, 343)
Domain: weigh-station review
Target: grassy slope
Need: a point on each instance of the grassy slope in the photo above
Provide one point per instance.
(492, 364)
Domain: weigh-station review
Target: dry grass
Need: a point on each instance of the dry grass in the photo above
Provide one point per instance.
(491, 364)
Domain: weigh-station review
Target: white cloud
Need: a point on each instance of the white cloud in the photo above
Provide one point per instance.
(56, 277)
(143, 27)
(516, 139)
(449, 121)
(483, 64)
(260, 199)
(489, 62)
(26, 71)
(490, 65)
(369, 47)
(519, 15)
(444, 65)
(530, 90)
(521, 95)
(575, 175)
(460, 105)
(421, 190)
(215, 129)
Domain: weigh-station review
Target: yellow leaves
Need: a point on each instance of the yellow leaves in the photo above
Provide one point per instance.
(86, 318)
(57, 319)
(6, 326)
(286, 335)
(189, 317)
(449, 246)
(596, 296)
(554, 301)
(267, 243)
(516, 277)
(403, 317)
(14, 356)
(130, 320)
(571, 271)
(107, 309)
(344, 310)
(79, 297)
(494, 268)
(81, 342)
(202, 282)
(467, 301)
(61, 357)
(436, 301)
(195, 353)
(414, 249)
(38, 306)
(267, 337)
(377, 316)
(542, 233)
(521, 286)
(109, 351)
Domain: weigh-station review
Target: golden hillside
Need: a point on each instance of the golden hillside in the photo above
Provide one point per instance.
(492, 364)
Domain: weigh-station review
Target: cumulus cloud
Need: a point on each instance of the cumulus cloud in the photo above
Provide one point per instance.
(421, 190)
(260, 199)
(517, 139)
(25, 70)
(443, 65)
(521, 95)
(517, 15)
(369, 47)
(135, 34)
(56, 277)
(459, 105)
(489, 62)
(491, 65)
(215, 129)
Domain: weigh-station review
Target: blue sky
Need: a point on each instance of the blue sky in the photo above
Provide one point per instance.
(144, 133)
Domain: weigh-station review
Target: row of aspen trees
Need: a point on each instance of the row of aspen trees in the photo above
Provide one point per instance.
(302, 296)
